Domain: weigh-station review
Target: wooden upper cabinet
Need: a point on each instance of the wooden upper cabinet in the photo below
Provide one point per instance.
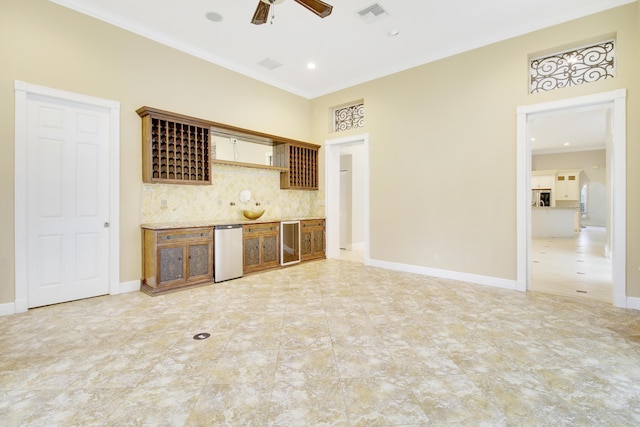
(175, 149)
(301, 163)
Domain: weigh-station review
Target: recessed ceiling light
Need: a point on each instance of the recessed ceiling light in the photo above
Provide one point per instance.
(533, 139)
(566, 144)
(311, 66)
(214, 16)
(393, 33)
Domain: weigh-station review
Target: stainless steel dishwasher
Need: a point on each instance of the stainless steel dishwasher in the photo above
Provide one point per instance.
(227, 243)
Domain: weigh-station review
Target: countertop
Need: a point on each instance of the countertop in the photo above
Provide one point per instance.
(213, 222)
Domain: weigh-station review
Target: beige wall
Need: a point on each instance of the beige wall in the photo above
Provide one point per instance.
(48, 45)
(443, 148)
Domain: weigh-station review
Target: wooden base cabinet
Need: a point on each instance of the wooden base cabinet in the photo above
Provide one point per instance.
(312, 239)
(261, 246)
(176, 258)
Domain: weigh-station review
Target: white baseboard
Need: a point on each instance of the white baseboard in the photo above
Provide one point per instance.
(625, 302)
(355, 246)
(7, 309)
(446, 274)
(132, 286)
(633, 303)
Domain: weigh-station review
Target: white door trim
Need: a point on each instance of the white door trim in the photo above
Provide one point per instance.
(332, 192)
(617, 100)
(22, 91)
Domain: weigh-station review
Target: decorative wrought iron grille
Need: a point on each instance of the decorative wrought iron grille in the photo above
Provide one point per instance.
(350, 117)
(573, 67)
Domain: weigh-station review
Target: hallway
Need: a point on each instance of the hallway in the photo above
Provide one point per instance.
(574, 267)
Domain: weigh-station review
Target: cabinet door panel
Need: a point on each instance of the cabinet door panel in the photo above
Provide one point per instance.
(305, 243)
(171, 264)
(198, 260)
(270, 246)
(251, 252)
(318, 241)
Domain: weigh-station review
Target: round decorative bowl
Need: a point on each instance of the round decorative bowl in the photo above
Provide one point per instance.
(253, 214)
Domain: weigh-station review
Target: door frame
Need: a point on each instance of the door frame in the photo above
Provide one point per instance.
(332, 192)
(616, 100)
(22, 92)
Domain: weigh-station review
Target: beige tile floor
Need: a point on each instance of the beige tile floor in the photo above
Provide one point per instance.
(326, 343)
(575, 267)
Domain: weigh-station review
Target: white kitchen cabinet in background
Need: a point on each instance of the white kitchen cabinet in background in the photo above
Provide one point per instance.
(567, 186)
(542, 181)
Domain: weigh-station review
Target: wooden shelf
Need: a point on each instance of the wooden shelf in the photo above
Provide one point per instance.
(247, 165)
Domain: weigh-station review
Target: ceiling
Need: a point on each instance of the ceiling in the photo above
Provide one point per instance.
(570, 130)
(346, 48)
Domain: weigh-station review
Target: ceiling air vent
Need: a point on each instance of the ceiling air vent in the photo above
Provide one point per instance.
(372, 13)
(269, 63)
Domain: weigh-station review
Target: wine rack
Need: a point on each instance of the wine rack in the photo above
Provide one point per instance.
(174, 151)
(302, 164)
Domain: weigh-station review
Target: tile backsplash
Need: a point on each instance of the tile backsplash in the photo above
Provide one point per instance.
(162, 203)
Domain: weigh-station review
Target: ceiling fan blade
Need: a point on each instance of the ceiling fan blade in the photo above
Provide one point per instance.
(262, 14)
(318, 7)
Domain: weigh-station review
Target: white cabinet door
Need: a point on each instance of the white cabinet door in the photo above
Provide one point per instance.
(568, 186)
(542, 181)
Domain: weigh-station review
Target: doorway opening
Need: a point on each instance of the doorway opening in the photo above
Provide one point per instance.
(348, 224)
(616, 153)
(569, 232)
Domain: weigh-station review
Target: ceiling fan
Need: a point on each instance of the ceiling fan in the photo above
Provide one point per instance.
(318, 7)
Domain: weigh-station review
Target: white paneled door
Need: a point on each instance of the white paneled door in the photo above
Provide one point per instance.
(67, 201)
